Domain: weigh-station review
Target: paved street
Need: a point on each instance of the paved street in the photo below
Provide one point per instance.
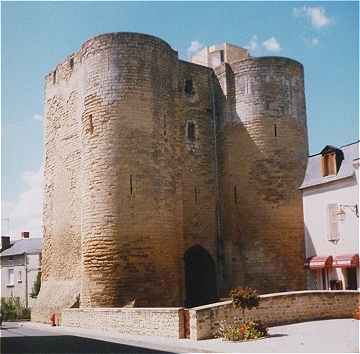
(330, 336)
(19, 339)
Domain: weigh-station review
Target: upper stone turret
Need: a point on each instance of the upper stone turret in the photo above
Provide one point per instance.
(218, 54)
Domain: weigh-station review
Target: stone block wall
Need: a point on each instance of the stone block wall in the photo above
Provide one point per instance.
(165, 322)
(276, 309)
(264, 142)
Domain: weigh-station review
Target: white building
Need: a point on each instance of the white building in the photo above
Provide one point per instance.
(20, 264)
(331, 216)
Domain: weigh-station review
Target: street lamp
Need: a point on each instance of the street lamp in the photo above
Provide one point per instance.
(340, 213)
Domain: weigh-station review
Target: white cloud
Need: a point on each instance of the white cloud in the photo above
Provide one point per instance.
(315, 14)
(25, 212)
(315, 41)
(195, 46)
(272, 45)
(38, 117)
(312, 42)
(253, 45)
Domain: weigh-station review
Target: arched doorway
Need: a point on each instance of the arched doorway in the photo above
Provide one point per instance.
(200, 277)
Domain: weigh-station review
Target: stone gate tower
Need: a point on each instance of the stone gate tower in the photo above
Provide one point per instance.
(263, 152)
(169, 182)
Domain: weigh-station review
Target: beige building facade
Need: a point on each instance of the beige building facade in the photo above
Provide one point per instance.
(331, 216)
(169, 182)
(20, 265)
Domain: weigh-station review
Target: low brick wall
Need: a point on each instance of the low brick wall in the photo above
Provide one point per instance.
(165, 322)
(276, 309)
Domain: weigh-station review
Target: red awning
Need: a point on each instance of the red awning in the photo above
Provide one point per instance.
(346, 261)
(318, 262)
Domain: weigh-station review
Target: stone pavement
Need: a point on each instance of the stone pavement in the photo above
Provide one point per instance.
(327, 336)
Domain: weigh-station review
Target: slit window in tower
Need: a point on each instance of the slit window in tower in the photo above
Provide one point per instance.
(91, 124)
(189, 89)
(221, 56)
(71, 63)
(275, 130)
(235, 195)
(54, 77)
(190, 131)
(195, 195)
(131, 185)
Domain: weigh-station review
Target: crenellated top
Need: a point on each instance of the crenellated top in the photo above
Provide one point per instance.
(101, 42)
(293, 66)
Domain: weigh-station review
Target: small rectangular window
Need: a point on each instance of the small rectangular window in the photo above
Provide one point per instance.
(19, 276)
(190, 131)
(10, 276)
(222, 56)
(189, 87)
(235, 195)
(54, 77)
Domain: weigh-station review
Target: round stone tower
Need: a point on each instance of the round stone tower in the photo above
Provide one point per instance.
(128, 193)
(265, 153)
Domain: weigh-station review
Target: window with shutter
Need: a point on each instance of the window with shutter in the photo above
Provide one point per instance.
(333, 228)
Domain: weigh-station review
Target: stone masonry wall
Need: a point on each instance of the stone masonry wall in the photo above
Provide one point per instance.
(198, 178)
(118, 167)
(61, 254)
(276, 309)
(131, 230)
(264, 139)
(165, 322)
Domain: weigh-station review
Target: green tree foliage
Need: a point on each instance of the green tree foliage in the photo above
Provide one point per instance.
(12, 309)
(36, 286)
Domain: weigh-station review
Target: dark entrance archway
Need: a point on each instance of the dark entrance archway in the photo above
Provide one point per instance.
(200, 277)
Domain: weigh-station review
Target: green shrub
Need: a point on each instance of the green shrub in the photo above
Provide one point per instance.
(12, 309)
(26, 314)
(244, 298)
(243, 329)
(240, 330)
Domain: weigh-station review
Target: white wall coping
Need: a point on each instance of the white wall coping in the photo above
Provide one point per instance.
(120, 309)
(288, 293)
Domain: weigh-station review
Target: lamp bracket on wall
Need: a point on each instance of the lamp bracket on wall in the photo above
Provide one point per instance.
(341, 210)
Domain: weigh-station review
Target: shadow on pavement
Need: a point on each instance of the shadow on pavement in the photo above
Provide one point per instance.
(277, 335)
(66, 345)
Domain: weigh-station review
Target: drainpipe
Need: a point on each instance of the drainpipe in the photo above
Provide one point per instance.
(219, 246)
(26, 282)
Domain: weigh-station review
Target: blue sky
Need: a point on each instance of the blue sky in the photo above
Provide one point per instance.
(36, 36)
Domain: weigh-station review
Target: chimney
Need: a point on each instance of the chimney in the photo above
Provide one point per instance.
(5, 242)
(25, 234)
